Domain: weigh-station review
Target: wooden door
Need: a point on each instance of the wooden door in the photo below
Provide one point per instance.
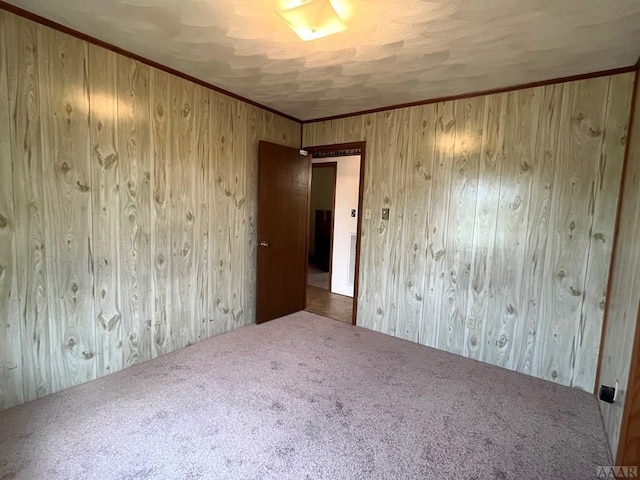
(284, 179)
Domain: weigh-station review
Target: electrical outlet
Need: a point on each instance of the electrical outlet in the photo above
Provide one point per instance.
(471, 323)
(385, 214)
(367, 214)
(353, 213)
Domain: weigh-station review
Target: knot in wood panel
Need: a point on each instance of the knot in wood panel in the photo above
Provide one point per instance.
(595, 132)
(437, 256)
(238, 200)
(105, 161)
(81, 187)
(3, 221)
(109, 324)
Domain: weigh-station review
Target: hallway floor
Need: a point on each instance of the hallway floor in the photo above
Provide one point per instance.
(325, 303)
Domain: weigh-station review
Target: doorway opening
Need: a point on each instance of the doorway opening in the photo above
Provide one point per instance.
(321, 223)
(334, 230)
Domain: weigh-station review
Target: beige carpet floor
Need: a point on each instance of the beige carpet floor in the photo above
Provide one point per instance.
(305, 397)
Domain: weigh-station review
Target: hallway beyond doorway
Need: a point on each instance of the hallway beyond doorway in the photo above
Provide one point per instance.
(327, 304)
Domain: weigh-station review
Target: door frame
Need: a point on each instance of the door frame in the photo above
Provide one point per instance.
(344, 150)
(334, 167)
(630, 426)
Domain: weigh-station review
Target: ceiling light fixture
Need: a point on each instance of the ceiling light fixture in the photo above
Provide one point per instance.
(313, 19)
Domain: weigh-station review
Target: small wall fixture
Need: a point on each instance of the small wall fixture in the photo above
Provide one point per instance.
(313, 19)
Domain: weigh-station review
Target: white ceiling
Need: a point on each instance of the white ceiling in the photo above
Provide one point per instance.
(395, 51)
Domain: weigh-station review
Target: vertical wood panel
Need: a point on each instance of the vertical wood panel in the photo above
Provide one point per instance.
(26, 155)
(437, 230)
(160, 95)
(182, 218)
(418, 172)
(254, 135)
(581, 127)
(460, 223)
(202, 257)
(531, 318)
(135, 276)
(67, 190)
(238, 220)
(222, 145)
(11, 388)
(380, 263)
(607, 170)
(105, 208)
(481, 312)
(512, 226)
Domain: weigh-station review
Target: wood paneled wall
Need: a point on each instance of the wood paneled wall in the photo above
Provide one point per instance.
(502, 218)
(624, 300)
(127, 210)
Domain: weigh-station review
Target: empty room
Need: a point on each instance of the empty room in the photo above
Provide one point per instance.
(177, 301)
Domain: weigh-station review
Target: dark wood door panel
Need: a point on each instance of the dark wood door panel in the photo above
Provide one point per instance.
(283, 217)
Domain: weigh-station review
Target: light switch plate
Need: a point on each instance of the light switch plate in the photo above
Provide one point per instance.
(367, 214)
(385, 214)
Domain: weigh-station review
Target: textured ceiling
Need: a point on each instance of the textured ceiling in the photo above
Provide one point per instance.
(395, 51)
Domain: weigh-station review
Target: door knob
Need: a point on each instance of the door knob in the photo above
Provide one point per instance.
(264, 244)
